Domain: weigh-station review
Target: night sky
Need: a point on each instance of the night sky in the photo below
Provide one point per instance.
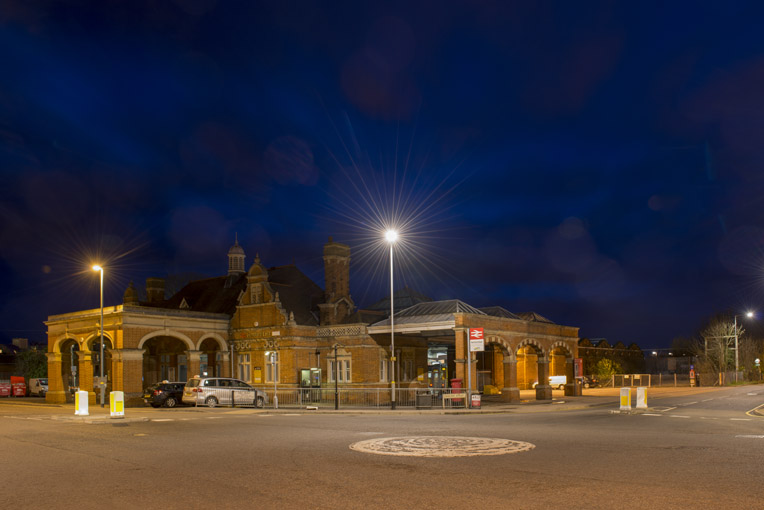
(600, 163)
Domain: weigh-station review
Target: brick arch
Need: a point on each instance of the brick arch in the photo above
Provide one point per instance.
(506, 348)
(92, 338)
(180, 336)
(221, 342)
(540, 351)
(564, 347)
(60, 341)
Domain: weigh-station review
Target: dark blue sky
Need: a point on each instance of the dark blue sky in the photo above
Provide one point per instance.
(599, 163)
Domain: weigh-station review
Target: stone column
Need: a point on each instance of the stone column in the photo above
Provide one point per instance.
(572, 388)
(460, 346)
(56, 388)
(510, 392)
(127, 375)
(194, 360)
(543, 390)
(85, 375)
(225, 359)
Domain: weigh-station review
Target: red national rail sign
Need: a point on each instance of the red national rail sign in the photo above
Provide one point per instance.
(476, 340)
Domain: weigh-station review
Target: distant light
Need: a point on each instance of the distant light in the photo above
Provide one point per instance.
(655, 353)
(749, 314)
(97, 268)
(391, 236)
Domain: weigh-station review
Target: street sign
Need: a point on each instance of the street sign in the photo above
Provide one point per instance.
(477, 343)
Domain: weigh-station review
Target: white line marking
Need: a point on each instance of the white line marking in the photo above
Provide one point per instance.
(678, 416)
(751, 436)
(706, 400)
(690, 403)
(214, 417)
(753, 393)
(651, 414)
(667, 409)
(164, 419)
(740, 419)
(292, 414)
(704, 418)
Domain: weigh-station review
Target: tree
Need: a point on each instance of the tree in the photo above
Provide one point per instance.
(606, 368)
(32, 363)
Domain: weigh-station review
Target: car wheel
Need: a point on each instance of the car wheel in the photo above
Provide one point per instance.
(561, 387)
(170, 402)
(260, 402)
(211, 401)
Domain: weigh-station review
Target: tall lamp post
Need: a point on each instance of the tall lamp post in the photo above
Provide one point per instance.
(392, 236)
(101, 382)
(749, 315)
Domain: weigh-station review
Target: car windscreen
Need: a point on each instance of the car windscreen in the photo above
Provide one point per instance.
(193, 383)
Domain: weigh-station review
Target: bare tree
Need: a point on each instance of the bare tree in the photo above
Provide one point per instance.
(715, 347)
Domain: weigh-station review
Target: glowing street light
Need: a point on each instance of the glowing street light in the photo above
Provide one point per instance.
(101, 383)
(749, 315)
(392, 236)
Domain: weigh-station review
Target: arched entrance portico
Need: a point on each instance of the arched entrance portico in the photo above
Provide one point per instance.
(533, 368)
(561, 363)
(165, 358)
(70, 359)
(94, 347)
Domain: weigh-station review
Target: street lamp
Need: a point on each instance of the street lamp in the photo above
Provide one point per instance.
(101, 383)
(392, 236)
(749, 315)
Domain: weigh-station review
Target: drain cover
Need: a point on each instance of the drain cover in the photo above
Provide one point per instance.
(440, 446)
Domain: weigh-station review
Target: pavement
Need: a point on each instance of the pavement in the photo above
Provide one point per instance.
(491, 404)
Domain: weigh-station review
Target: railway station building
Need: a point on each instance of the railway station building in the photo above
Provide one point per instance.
(275, 325)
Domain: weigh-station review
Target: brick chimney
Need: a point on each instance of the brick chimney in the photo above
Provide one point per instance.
(154, 290)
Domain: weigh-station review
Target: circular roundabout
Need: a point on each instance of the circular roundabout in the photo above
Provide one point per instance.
(441, 446)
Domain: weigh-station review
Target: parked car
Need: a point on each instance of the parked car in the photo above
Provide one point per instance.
(213, 391)
(556, 381)
(590, 381)
(38, 387)
(165, 393)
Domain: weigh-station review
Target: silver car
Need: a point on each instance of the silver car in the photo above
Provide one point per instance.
(214, 391)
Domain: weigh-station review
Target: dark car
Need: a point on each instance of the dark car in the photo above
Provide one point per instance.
(591, 382)
(165, 393)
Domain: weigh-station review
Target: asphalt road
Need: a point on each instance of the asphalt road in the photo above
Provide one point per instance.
(694, 448)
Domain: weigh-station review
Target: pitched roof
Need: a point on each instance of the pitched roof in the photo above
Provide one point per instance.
(402, 299)
(297, 293)
(433, 311)
(534, 317)
(211, 295)
(498, 311)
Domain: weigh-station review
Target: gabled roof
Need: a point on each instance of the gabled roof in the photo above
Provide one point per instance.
(431, 312)
(498, 311)
(534, 317)
(298, 293)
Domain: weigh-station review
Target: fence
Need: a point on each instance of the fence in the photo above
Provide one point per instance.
(350, 398)
(664, 380)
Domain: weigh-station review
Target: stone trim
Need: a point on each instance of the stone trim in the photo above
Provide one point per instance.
(340, 331)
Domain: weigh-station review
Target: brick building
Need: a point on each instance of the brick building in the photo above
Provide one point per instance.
(266, 325)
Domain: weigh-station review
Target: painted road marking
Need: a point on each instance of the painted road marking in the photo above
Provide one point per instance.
(651, 414)
(707, 400)
(164, 419)
(292, 414)
(678, 416)
(740, 419)
(750, 436)
(441, 446)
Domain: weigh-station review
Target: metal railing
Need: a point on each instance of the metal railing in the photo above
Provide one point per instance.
(366, 398)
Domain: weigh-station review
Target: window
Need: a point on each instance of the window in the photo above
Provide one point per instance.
(343, 369)
(384, 366)
(408, 369)
(245, 372)
(271, 366)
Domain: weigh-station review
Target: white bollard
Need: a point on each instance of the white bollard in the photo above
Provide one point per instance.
(81, 403)
(625, 399)
(641, 397)
(117, 404)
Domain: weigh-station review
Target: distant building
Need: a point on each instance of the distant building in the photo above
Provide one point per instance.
(232, 325)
